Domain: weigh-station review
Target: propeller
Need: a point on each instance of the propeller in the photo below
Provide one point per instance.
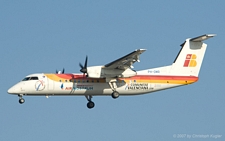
(84, 68)
(60, 72)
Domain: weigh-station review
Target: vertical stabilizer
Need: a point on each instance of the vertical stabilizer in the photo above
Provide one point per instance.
(189, 60)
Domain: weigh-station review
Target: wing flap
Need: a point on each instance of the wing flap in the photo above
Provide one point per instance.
(126, 61)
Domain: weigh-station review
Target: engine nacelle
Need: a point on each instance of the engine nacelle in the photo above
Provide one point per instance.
(101, 72)
(94, 72)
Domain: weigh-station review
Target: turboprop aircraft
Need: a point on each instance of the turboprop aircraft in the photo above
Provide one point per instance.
(118, 77)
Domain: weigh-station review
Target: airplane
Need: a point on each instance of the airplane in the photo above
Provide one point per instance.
(118, 78)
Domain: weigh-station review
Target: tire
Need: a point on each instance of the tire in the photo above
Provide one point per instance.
(21, 100)
(115, 94)
(90, 104)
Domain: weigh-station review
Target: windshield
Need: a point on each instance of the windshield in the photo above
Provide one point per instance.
(30, 78)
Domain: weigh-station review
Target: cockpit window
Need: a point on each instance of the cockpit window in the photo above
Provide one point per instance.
(34, 78)
(26, 79)
(30, 78)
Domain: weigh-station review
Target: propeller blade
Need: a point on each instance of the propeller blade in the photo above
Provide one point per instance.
(84, 68)
(81, 66)
(60, 72)
(85, 65)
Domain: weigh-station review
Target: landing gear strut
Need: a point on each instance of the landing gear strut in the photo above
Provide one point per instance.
(21, 100)
(90, 103)
(113, 86)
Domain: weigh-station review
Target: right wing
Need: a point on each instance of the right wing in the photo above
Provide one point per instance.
(126, 61)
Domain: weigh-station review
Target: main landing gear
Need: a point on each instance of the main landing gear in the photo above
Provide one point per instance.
(21, 100)
(115, 94)
(113, 86)
(90, 103)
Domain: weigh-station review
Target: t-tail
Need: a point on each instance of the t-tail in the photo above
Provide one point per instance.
(189, 60)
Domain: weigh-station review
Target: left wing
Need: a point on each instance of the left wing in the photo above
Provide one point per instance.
(126, 61)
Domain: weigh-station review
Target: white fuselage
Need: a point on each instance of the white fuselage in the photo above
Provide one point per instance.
(77, 84)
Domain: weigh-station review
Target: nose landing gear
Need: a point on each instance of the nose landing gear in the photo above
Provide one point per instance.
(21, 100)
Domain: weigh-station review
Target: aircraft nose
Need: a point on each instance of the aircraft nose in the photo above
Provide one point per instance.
(13, 90)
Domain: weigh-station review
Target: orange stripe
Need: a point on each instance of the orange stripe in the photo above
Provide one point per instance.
(137, 78)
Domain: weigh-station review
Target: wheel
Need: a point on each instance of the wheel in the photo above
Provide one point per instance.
(21, 100)
(90, 104)
(115, 94)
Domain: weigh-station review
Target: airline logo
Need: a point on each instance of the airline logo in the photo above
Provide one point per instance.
(190, 60)
(39, 85)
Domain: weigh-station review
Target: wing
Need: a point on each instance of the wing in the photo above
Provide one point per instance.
(126, 61)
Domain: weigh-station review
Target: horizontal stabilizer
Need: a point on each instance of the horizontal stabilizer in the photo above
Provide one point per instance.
(202, 38)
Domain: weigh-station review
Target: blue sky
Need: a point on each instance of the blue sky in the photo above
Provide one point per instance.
(42, 36)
